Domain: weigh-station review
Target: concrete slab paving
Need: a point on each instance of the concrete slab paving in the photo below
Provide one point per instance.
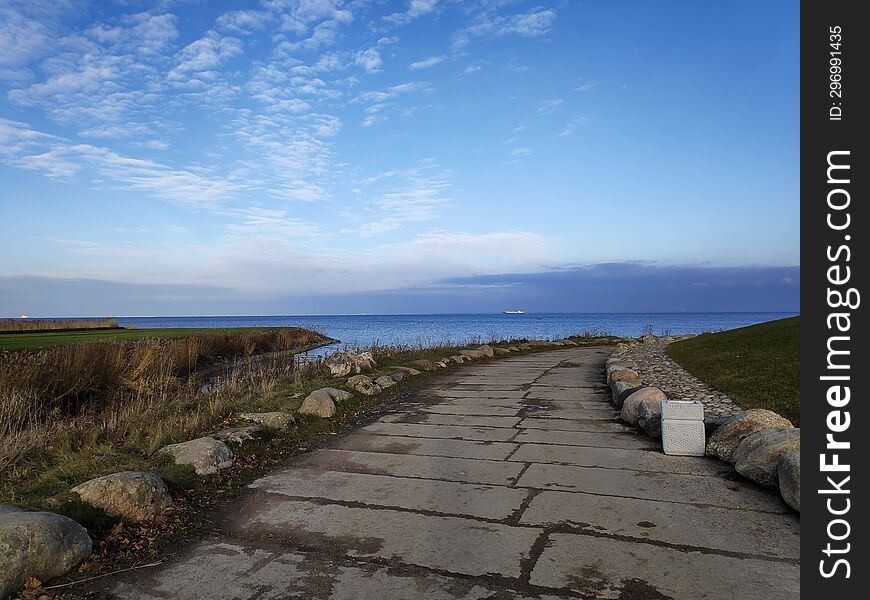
(445, 497)
(508, 479)
(670, 487)
(600, 567)
(620, 458)
(400, 444)
(627, 439)
(423, 540)
(407, 465)
(436, 419)
(481, 434)
(678, 524)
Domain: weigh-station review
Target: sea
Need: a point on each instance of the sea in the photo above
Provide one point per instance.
(363, 331)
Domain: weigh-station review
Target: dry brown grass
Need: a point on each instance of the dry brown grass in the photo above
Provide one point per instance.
(14, 325)
(133, 393)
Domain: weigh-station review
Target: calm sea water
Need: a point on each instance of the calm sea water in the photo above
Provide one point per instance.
(366, 330)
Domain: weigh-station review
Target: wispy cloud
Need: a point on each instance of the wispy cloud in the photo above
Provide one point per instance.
(416, 9)
(534, 23)
(427, 62)
(585, 86)
(572, 126)
(547, 107)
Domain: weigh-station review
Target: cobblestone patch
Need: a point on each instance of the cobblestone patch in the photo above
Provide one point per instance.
(657, 369)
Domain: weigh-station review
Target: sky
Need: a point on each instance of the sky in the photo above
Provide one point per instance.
(330, 156)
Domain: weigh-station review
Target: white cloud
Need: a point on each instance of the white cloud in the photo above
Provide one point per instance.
(521, 151)
(427, 62)
(143, 33)
(573, 125)
(547, 107)
(203, 55)
(416, 9)
(380, 101)
(55, 157)
(243, 22)
(585, 86)
(405, 196)
(369, 59)
(534, 23)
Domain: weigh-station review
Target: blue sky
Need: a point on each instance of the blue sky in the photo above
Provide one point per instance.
(303, 156)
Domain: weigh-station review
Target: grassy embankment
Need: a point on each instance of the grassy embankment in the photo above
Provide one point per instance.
(757, 366)
(75, 412)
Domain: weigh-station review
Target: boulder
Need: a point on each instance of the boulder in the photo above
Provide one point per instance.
(132, 495)
(649, 417)
(631, 406)
(501, 351)
(336, 395)
(385, 381)
(405, 370)
(487, 350)
(38, 544)
(788, 472)
(513, 349)
(525, 346)
(616, 366)
(342, 363)
(614, 358)
(457, 358)
(623, 374)
(733, 430)
(364, 385)
(619, 392)
(569, 342)
(472, 354)
(649, 339)
(269, 420)
(442, 364)
(206, 455)
(319, 405)
(757, 456)
(425, 365)
(397, 377)
(238, 435)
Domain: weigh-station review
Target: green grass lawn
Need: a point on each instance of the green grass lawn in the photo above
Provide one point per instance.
(31, 341)
(757, 366)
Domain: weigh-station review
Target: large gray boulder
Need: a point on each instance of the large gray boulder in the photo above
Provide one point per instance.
(318, 405)
(239, 435)
(649, 417)
(424, 365)
(341, 364)
(406, 370)
(487, 350)
(757, 456)
(206, 455)
(336, 395)
(472, 354)
(364, 385)
(525, 346)
(728, 435)
(132, 495)
(631, 407)
(385, 381)
(38, 544)
(457, 358)
(623, 374)
(788, 471)
(501, 351)
(617, 392)
(269, 420)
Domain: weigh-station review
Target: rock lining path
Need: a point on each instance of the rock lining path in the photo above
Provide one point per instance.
(507, 479)
(656, 368)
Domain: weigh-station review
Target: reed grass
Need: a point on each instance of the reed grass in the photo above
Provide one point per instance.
(26, 324)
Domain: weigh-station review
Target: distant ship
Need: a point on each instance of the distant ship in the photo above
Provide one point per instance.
(513, 312)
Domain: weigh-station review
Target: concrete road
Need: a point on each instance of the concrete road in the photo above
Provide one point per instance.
(509, 479)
